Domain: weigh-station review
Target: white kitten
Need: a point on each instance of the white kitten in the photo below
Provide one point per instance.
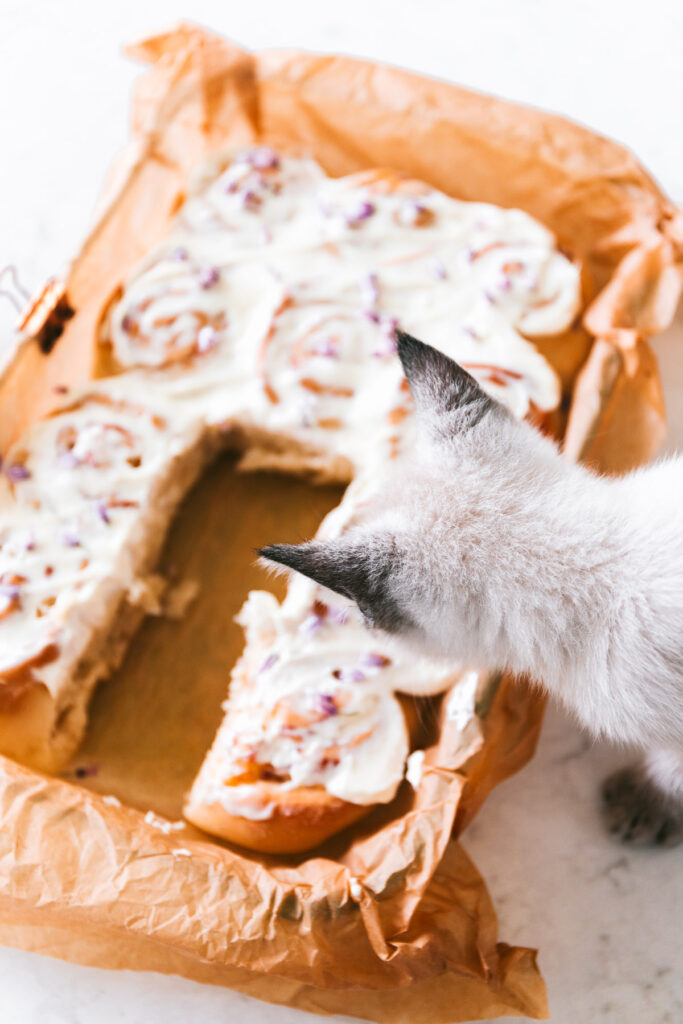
(486, 545)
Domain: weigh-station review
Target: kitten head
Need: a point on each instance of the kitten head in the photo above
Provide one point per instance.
(419, 559)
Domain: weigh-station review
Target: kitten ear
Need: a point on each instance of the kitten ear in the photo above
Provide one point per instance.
(444, 393)
(355, 569)
(324, 562)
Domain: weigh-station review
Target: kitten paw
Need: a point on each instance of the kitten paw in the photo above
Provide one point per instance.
(636, 811)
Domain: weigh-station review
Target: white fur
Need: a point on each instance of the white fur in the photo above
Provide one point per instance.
(513, 558)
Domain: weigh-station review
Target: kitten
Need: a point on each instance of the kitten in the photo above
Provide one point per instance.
(486, 545)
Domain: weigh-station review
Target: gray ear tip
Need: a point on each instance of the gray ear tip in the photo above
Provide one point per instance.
(418, 358)
(269, 552)
(283, 554)
(408, 347)
(405, 340)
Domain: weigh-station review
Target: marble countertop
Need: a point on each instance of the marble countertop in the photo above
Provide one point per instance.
(606, 918)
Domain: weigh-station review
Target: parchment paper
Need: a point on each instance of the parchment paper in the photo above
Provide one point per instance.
(393, 922)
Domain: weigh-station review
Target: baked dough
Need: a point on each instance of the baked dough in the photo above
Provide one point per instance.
(86, 497)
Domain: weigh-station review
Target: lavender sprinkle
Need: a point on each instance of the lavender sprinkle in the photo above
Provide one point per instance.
(373, 660)
(102, 512)
(361, 212)
(326, 704)
(208, 277)
(268, 663)
(17, 472)
(310, 624)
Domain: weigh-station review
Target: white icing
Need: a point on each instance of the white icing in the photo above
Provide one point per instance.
(318, 709)
(71, 520)
(308, 352)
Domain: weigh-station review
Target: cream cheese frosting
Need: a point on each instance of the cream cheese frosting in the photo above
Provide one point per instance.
(271, 306)
(308, 713)
(77, 493)
(287, 286)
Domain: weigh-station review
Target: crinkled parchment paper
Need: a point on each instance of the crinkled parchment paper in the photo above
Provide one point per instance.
(393, 923)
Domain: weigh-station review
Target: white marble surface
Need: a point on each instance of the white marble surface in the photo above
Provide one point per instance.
(607, 920)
